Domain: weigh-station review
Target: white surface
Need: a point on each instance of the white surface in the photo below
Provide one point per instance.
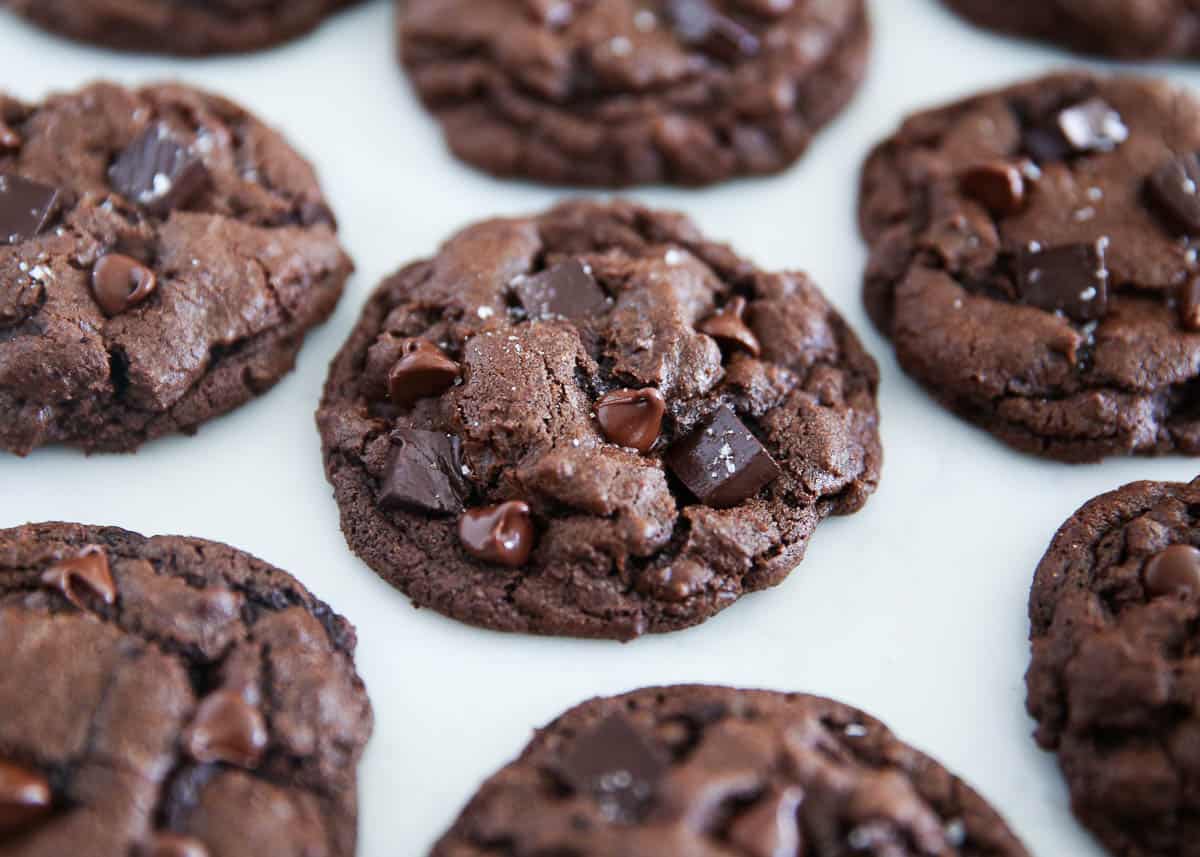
(913, 609)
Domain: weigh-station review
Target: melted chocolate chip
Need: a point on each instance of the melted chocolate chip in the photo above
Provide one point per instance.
(425, 473)
(728, 326)
(502, 534)
(1072, 279)
(9, 138)
(25, 798)
(1174, 188)
(1174, 571)
(568, 290)
(700, 24)
(228, 729)
(998, 186)
(722, 462)
(83, 577)
(1084, 128)
(423, 371)
(173, 845)
(632, 418)
(158, 173)
(26, 208)
(618, 766)
(770, 828)
(120, 283)
(1189, 303)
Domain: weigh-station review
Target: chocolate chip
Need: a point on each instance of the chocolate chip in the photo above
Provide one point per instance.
(568, 290)
(700, 24)
(1090, 126)
(425, 473)
(770, 827)
(722, 462)
(82, 577)
(1072, 279)
(998, 186)
(9, 138)
(172, 845)
(727, 325)
(156, 172)
(502, 534)
(1189, 303)
(120, 283)
(617, 766)
(24, 798)
(1174, 571)
(228, 729)
(632, 418)
(424, 370)
(25, 207)
(1174, 188)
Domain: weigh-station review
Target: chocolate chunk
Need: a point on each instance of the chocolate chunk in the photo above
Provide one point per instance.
(120, 283)
(727, 325)
(1173, 190)
(699, 24)
(172, 845)
(722, 462)
(1090, 126)
(228, 729)
(502, 534)
(157, 172)
(24, 798)
(83, 577)
(423, 371)
(425, 473)
(632, 418)
(770, 828)
(1174, 571)
(25, 208)
(1189, 303)
(568, 290)
(1072, 279)
(618, 766)
(998, 186)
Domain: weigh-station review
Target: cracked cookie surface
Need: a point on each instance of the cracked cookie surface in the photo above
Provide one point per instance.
(171, 697)
(594, 422)
(1034, 260)
(1114, 682)
(628, 92)
(181, 252)
(714, 772)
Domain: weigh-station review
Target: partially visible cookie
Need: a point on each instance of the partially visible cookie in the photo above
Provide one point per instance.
(697, 771)
(179, 26)
(594, 422)
(1034, 258)
(629, 92)
(1115, 678)
(171, 697)
(162, 256)
(1125, 29)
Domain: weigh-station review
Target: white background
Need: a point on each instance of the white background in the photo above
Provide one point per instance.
(914, 609)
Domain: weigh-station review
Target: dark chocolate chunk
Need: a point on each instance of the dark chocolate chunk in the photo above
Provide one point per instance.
(502, 534)
(999, 186)
(227, 729)
(1072, 279)
(425, 473)
(771, 827)
(700, 24)
(568, 290)
(1090, 126)
(157, 172)
(1189, 303)
(25, 207)
(1174, 571)
(120, 283)
(83, 576)
(618, 766)
(1173, 188)
(727, 325)
(722, 462)
(172, 845)
(423, 371)
(24, 798)
(632, 418)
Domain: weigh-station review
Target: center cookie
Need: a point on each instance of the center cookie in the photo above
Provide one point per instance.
(594, 422)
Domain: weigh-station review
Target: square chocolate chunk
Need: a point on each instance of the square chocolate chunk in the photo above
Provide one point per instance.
(722, 462)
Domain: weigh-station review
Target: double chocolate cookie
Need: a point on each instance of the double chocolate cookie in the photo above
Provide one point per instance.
(162, 255)
(1115, 678)
(715, 772)
(171, 697)
(627, 92)
(1034, 257)
(179, 26)
(1125, 29)
(594, 422)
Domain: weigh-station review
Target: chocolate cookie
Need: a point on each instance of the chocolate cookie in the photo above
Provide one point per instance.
(162, 255)
(630, 92)
(171, 697)
(1125, 29)
(715, 772)
(179, 26)
(1034, 259)
(1115, 678)
(594, 422)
